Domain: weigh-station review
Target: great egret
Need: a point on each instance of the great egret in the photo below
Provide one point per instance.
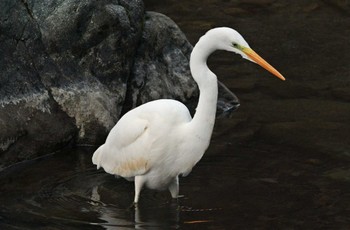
(158, 141)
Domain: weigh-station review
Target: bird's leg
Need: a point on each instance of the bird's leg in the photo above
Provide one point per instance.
(174, 187)
(139, 181)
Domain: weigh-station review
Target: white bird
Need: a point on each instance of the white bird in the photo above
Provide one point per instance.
(158, 141)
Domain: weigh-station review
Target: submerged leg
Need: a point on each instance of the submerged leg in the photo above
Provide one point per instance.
(174, 187)
(139, 181)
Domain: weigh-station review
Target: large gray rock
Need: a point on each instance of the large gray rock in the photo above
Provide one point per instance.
(161, 68)
(64, 67)
(92, 44)
(161, 63)
(69, 69)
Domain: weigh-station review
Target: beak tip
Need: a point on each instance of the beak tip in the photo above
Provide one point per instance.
(260, 61)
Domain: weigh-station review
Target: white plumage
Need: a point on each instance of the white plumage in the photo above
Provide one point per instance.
(158, 141)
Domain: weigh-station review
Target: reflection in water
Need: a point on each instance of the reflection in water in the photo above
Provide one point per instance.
(94, 194)
(34, 196)
(166, 216)
(242, 190)
(107, 214)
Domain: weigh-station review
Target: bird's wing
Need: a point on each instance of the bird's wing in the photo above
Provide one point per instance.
(127, 131)
(138, 141)
(122, 154)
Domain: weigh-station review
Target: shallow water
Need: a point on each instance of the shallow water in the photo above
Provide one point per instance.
(235, 186)
(280, 162)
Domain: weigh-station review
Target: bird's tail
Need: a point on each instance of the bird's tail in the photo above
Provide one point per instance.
(96, 158)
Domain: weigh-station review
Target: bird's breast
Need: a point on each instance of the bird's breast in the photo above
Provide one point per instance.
(159, 179)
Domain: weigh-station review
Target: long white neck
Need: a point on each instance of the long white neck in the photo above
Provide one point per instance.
(204, 118)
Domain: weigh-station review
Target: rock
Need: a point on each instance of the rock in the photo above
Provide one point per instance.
(161, 67)
(87, 42)
(69, 69)
(31, 121)
(227, 102)
(64, 68)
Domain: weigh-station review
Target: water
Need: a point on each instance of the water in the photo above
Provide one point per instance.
(280, 162)
(240, 186)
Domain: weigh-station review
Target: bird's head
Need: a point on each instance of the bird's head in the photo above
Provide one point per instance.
(230, 40)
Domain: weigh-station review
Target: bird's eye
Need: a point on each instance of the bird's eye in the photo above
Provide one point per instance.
(235, 45)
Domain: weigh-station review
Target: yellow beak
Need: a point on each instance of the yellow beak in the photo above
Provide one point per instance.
(259, 60)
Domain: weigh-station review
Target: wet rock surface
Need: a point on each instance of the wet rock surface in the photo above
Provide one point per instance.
(70, 69)
(280, 162)
(158, 56)
(64, 67)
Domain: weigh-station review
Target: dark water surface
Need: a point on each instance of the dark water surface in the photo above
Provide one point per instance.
(282, 161)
